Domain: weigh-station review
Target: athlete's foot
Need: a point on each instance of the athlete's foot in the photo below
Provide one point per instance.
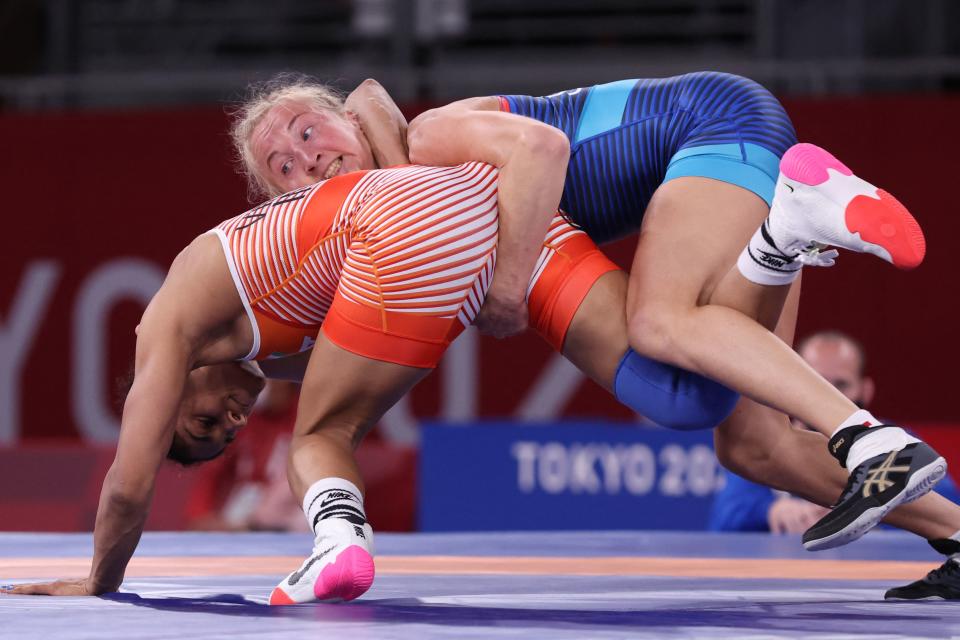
(819, 202)
(340, 567)
(875, 487)
(943, 583)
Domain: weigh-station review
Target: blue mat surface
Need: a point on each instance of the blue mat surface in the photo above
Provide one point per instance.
(472, 605)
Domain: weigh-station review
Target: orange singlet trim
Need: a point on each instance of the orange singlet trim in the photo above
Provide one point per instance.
(379, 292)
(413, 341)
(298, 271)
(564, 282)
(312, 229)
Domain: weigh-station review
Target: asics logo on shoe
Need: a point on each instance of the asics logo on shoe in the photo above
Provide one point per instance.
(877, 478)
(359, 531)
(838, 444)
(788, 187)
(297, 575)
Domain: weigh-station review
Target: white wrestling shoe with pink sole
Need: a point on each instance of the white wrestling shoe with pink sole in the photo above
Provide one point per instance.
(823, 203)
(339, 569)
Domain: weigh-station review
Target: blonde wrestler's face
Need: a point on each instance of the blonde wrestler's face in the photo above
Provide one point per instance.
(216, 403)
(296, 145)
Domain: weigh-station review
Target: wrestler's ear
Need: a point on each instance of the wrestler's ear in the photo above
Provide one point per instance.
(137, 330)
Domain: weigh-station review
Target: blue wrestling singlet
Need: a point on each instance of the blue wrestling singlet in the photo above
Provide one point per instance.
(629, 137)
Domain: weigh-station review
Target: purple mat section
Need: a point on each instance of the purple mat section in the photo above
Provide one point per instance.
(478, 606)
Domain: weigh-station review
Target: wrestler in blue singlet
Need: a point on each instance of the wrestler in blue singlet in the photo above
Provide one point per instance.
(629, 137)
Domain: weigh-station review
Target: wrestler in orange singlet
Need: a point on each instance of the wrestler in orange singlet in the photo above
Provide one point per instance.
(392, 265)
(378, 271)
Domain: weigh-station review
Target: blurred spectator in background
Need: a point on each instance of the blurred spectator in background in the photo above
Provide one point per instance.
(246, 489)
(744, 506)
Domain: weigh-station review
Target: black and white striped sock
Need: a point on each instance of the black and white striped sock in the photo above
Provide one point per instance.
(333, 498)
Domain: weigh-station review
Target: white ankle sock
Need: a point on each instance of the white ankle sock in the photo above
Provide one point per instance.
(859, 418)
(763, 263)
(333, 498)
(873, 444)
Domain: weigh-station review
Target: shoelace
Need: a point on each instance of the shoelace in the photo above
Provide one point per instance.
(853, 481)
(813, 255)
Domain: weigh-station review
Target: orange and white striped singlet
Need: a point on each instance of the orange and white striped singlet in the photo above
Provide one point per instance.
(392, 264)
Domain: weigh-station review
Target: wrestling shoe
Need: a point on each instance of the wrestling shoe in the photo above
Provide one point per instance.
(943, 583)
(875, 487)
(340, 567)
(819, 201)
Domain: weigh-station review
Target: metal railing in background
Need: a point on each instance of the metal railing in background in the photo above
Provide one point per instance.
(96, 53)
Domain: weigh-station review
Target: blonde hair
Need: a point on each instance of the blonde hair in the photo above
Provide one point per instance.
(284, 87)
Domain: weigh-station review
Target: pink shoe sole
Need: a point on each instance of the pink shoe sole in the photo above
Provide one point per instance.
(887, 223)
(347, 578)
(878, 217)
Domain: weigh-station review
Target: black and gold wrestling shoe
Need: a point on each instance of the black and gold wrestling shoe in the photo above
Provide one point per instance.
(943, 583)
(875, 487)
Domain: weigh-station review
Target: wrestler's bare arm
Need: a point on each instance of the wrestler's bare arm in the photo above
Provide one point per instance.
(163, 360)
(381, 121)
(128, 486)
(182, 327)
(532, 158)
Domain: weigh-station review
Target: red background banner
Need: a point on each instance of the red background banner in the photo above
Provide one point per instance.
(97, 205)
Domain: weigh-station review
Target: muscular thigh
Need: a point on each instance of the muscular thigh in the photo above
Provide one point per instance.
(693, 230)
(597, 337)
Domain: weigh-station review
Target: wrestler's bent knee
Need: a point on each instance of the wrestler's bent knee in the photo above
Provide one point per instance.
(650, 333)
(743, 454)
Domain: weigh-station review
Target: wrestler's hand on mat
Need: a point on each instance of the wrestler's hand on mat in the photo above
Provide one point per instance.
(76, 587)
(793, 515)
(502, 314)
